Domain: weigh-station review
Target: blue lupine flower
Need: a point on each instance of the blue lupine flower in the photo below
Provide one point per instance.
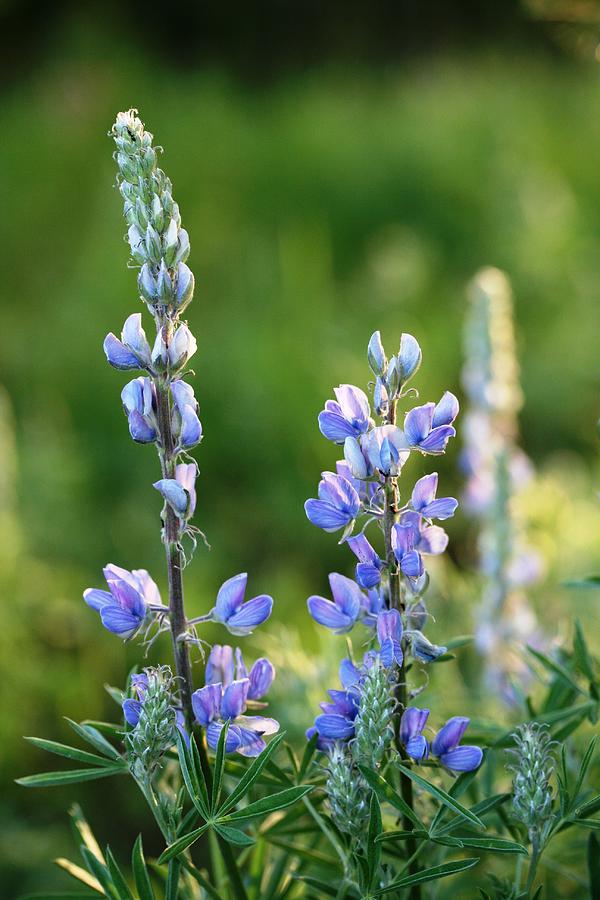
(237, 616)
(389, 633)
(133, 350)
(180, 492)
(385, 449)
(124, 606)
(220, 668)
(373, 604)
(139, 403)
(347, 416)
(338, 504)
(341, 614)
(424, 501)
(428, 428)
(412, 724)
(366, 490)
(429, 539)
(422, 648)
(376, 354)
(404, 536)
(217, 703)
(357, 462)
(337, 720)
(175, 355)
(368, 570)
(446, 747)
(185, 423)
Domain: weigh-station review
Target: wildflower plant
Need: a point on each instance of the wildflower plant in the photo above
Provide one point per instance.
(384, 798)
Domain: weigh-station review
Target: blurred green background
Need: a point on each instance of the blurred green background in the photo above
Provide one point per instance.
(339, 170)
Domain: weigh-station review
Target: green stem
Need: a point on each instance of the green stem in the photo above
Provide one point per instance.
(535, 858)
(392, 500)
(175, 560)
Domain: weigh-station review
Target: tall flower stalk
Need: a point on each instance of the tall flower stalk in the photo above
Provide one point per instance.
(497, 469)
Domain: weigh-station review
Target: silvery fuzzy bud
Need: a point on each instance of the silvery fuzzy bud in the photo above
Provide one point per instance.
(347, 794)
(148, 160)
(136, 242)
(183, 247)
(376, 355)
(373, 728)
(532, 771)
(185, 286)
(141, 214)
(127, 167)
(170, 243)
(147, 284)
(167, 203)
(164, 284)
(153, 246)
(416, 616)
(127, 191)
(380, 398)
(182, 347)
(154, 732)
(392, 378)
(158, 215)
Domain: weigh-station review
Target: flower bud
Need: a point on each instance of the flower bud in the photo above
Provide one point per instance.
(347, 794)
(182, 347)
(141, 214)
(183, 248)
(158, 216)
(355, 459)
(170, 241)
(185, 286)
(409, 357)
(380, 398)
(160, 356)
(164, 284)
(153, 247)
(392, 378)
(136, 242)
(148, 160)
(422, 648)
(376, 355)
(127, 167)
(373, 728)
(147, 284)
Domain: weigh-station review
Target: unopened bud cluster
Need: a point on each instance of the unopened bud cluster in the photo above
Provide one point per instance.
(373, 729)
(347, 793)
(158, 242)
(154, 732)
(533, 768)
(393, 374)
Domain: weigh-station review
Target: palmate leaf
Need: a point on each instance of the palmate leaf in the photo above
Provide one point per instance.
(267, 805)
(234, 836)
(431, 874)
(92, 736)
(494, 844)
(181, 844)
(193, 777)
(250, 776)
(479, 809)
(442, 796)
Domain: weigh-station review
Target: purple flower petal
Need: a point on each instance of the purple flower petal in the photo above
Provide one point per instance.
(417, 423)
(118, 355)
(437, 440)
(261, 676)
(206, 703)
(333, 727)
(97, 599)
(411, 564)
(334, 426)
(219, 665)
(230, 596)
(424, 491)
(409, 357)
(177, 498)
(233, 702)
(346, 594)
(327, 613)
(119, 621)
(446, 410)
(325, 516)
(433, 540)
(183, 395)
(191, 428)
(462, 759)
(232, 742)
(140, 430)
(368, 575)
(131, 711)
(417, 747)
(444, 508)
(349, 674)
(449, 736)
(412, 723)
(251, 614)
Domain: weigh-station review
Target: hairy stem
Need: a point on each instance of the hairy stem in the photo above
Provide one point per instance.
(175, 561)
(392, 498)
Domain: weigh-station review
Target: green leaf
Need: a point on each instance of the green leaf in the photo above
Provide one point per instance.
(234, 835)
(218, 767)
(592, 824)
(479, 809)
(309, 752)
(552, 666)
(117, 876)
(100, 872)
(79, 874)
(589, 583)
(181, 844)
(251, 775)
(309, 853)
(402, 835)
(373, 847)
(92, 736)
(585, 764)
(194, 780)
(498, 845)
(431, 874)
(327, 888)
(593, 861)
(267, 805)
(461, 640)
(461, 784)
(110, 728)
(550, 718)
(442, 796)
(588, 808)
(172, 885)
(69, 752)
(582, 654)
(140, 872)
(70, 776)
(387, 794)
(202, 881)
